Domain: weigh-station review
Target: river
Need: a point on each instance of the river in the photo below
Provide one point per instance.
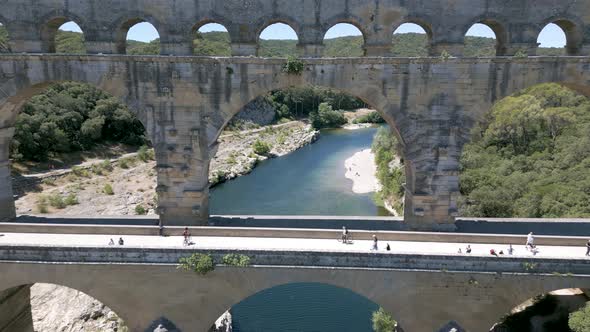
(309, 181)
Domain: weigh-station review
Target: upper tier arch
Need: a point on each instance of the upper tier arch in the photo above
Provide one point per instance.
(521, 20)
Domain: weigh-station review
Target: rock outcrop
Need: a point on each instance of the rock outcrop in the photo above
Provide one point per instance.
(257, 113)
(61, 309)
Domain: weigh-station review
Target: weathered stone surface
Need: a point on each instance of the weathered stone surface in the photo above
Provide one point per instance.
(516, 23)
(140, 293)
(258, 112)
(15, 309)
(431, 104)
(61, 309)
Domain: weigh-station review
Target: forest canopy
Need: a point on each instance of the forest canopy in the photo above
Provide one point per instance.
(71, 117)
(530, 157)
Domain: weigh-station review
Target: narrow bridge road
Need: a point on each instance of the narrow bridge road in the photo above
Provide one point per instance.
(288, 244)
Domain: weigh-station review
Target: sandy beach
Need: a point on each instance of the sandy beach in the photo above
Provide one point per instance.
(361, 169)
(355, 126)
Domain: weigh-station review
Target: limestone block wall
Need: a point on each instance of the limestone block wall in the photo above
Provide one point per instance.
(144, 293)
(184, 103)
(32, 26)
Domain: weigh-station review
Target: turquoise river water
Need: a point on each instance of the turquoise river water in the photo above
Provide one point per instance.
(309, 181)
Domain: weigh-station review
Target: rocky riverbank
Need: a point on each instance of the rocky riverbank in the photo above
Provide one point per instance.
(83, 190)
(83, 312)
(132, 182)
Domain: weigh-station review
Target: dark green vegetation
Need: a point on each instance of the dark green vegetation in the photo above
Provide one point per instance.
(212, 44)
(383, 322)
(373, 117)
(299, 102)
(530, 157)
(69, 42)
(293, 66)
(579, 321)
(204, 263)
(72, 117)
(390, 175)
(238, 260)
(326, 117)
(261, 148)
(198, 263)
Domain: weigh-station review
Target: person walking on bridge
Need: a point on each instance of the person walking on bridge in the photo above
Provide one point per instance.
(375, 243)
(530, 241)
(187, 237)
(588, 248)
(344, 235)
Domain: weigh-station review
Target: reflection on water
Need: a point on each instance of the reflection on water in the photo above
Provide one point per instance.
(304, 307)
(309, 181)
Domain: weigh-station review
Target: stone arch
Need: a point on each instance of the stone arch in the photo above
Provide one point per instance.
(293, 24)
(573, 29)
(10, 106)
(195, 28)
(424, 25)
(49, 28)
(17, 312)
(373, 98)
(526, 296)
(123, 24)
(354, 21)
(278, 21)
(305, 289)
(498, 27)
(346, 19)
(421, 22)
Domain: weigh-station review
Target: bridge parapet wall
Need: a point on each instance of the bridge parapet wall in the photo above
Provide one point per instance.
(363, 260)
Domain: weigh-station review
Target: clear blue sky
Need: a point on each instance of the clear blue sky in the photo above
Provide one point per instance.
(551, 35)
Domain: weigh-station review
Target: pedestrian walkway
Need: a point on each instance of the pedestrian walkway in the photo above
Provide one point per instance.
(69, 240)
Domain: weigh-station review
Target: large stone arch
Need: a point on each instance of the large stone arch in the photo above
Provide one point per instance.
(370, 95)
(529, 290)
(15, 302)
(140, 299)
(29, 82)
(334, 284)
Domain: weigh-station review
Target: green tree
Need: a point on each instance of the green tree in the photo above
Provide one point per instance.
(326, 117)
(199, 263)
(70, 117)
(383, 321)
(526, 159)
(261, 148)
(579, 321)
(390, 175)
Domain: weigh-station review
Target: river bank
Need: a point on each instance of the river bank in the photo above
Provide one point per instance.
(133, 181)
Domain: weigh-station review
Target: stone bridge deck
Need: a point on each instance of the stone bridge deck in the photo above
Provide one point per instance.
(423, 284)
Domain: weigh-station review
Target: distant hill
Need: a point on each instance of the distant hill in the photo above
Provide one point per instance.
(217, 43)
